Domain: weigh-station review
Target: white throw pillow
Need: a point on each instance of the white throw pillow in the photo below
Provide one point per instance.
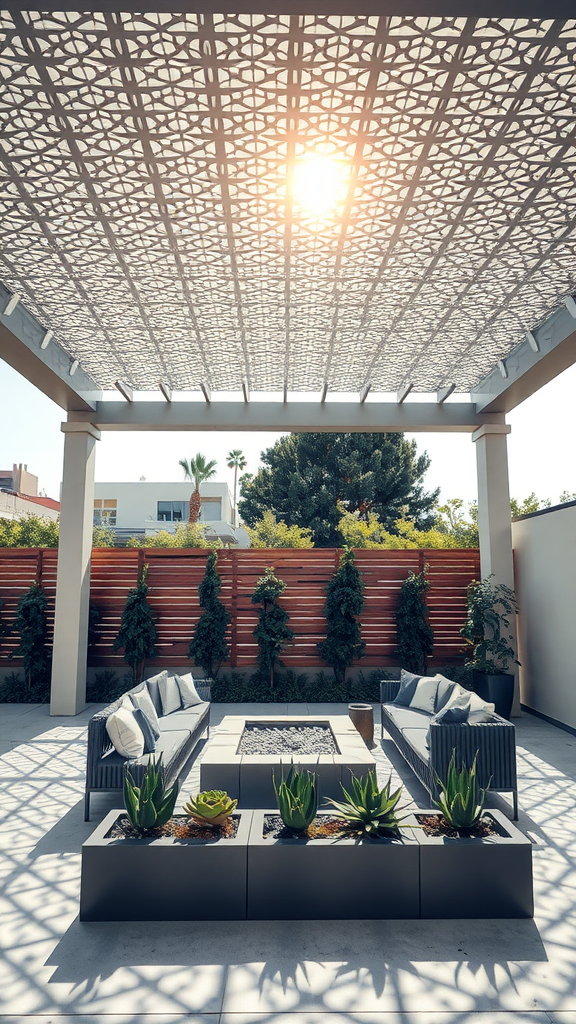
(169, 695)
(188, 691)
(424, 698)
(477, 704)
(125, 734)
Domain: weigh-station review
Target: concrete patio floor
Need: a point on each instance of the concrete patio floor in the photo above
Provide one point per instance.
(54, 969)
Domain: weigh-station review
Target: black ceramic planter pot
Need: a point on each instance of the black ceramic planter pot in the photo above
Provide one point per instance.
(497, 688)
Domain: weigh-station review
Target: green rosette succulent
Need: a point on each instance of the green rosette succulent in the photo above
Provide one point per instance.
(461, 797)
(210, 808)
(368, 808)
(297, 798)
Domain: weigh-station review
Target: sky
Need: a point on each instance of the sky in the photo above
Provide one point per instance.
(541, 445)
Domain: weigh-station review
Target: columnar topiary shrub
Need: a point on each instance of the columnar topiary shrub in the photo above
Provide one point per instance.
(137, 634)
(272, 633)
(414, 634)
(208, 647)
(30, 623)
(345, 600)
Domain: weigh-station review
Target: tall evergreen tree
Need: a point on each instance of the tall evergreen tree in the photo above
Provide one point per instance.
(414, 634)
(272, 633)
(30, 623)
(305, 476)
(137, 634)
(208, 646)
(344, 601)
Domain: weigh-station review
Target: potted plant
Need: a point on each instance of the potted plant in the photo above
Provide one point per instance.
(358, 861)
(148, 864)
(490, 610)
(474, 863)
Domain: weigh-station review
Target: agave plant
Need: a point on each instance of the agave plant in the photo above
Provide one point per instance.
(461, 797)
(149, 805)
(211, 807)
(297, 798)
(368, 808)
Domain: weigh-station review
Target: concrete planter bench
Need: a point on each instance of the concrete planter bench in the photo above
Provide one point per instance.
(417, 876)
(165, 879)
(475, 878)
(341, 878)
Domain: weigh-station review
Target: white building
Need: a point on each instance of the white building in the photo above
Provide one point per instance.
(145, 507)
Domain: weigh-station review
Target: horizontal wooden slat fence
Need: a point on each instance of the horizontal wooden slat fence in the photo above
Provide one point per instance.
(175, 574)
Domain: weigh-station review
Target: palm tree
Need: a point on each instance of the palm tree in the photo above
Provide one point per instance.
(197, 470)
(235, 460)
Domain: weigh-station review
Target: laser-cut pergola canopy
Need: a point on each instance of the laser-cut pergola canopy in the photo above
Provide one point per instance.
(148, 216)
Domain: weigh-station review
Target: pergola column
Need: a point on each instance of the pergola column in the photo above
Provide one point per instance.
(494, 519)
(68, 692)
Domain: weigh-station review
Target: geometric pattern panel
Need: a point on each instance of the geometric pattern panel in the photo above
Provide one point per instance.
(287, 200)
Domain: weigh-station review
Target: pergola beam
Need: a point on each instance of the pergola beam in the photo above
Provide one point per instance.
(544, 353)
(284, 416)
(48, 367)
(414, 8)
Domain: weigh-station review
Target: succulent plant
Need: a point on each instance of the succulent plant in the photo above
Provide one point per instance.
(461, 797)
(297, 798)
(211, 807)
(369, 808)
(149, 805)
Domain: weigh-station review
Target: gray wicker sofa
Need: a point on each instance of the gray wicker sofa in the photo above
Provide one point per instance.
(180, 733)
(495, 742)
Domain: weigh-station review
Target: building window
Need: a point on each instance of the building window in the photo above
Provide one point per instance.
(211, 510)
(105, 510)
(172, 511)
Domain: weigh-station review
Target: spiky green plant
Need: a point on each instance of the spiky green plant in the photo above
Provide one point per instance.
(297, 798)
(461, 797)
(150, 805)
(211, 807)
(367, 807)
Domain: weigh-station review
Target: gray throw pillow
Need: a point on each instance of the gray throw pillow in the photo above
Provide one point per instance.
(152, 686)
(445, 688)
(188, 691)
(407, 689)
(169, 695)
(457, 712)
(144, 724)
(424, 697)
(143, 700)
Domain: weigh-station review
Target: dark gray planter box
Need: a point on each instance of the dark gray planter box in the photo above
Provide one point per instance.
(476, 878)
(331, 878)
(163, 879)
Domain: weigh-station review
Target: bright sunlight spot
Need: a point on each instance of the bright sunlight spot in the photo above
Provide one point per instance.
(320, 184)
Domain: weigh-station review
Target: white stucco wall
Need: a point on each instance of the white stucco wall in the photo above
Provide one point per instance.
(12, 506)
(545, 563)
(138, 501)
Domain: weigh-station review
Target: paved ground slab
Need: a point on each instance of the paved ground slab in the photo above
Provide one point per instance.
(54, 969)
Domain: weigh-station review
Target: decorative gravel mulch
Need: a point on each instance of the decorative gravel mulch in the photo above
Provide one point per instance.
(323, 827)
(180, 827)
(436, 825)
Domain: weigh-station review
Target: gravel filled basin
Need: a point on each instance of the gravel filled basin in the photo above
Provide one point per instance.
(287, 739)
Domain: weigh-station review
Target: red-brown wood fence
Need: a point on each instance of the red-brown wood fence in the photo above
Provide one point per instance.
(174, 576)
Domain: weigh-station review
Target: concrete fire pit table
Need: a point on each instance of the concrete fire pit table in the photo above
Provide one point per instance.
(248, 777)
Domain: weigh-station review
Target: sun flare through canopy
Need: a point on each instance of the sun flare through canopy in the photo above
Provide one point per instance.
(289, 202)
